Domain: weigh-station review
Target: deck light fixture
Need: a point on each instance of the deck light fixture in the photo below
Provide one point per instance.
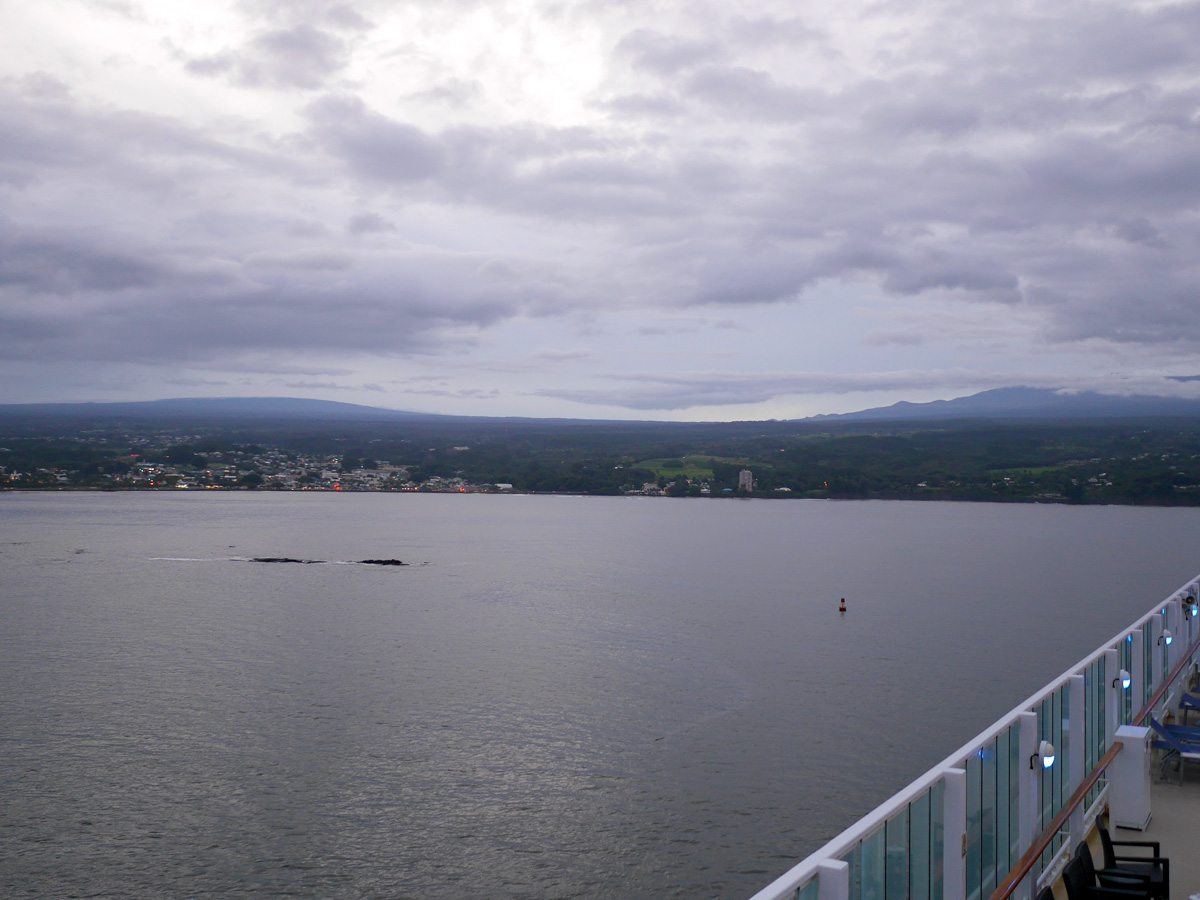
(1045, 754)
(1165, 638)
(1122, 680)
(1192, 609)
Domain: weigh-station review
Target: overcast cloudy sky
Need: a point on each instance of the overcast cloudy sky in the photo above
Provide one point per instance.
(672, 209)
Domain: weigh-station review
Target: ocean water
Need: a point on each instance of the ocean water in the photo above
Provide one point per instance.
(558, 697)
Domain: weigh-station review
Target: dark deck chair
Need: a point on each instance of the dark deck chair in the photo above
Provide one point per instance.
(1080, 888)
(1178, 747)
(1111, 878)
(1155, 866)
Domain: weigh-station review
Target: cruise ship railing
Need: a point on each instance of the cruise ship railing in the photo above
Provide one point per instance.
(961, 830)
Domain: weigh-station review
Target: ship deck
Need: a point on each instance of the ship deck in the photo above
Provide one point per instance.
(1175, 824)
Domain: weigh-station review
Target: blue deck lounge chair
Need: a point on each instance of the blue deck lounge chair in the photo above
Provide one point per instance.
(1177, 746)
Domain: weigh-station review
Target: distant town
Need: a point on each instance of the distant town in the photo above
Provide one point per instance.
(167, 464)
(1121, 462)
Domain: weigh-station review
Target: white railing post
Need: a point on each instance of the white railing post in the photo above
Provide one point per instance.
(833, 880)
(1030, 810)
(1137, 670)
(1177, 630)
(1156, 651)
(1112, 694)
(1194, 595)
(954, 835)
(1075, 764)
(1189, 623)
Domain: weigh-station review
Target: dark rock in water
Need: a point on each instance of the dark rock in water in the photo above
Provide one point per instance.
(310, 562)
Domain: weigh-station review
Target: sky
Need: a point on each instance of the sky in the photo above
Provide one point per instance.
(655, 209)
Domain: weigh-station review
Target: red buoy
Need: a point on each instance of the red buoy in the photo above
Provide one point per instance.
(842, 608)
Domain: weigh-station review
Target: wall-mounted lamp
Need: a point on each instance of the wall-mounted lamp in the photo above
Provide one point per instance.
(1165, 638)
(1122, 680)
(1045, 755)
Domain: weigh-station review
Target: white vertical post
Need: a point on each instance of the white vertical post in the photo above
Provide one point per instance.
(1194, 593)
(1156, 651)
(1137, 671)
(1112, 694)
(1178, 628)
(1076, 735)
(1189, 624)
(833, 880)
(954, 835)
(1129, 779)
(1030, 806)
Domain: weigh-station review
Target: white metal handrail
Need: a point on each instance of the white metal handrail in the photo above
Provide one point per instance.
(826, 861)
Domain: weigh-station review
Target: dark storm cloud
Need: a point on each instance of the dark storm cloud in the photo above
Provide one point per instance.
(373, 145)
(748, 93)
(47, 132)
(643, 105)
(199, 327)
(348, 16)
(455, 92)
(368, 223)
(665, 54)
(299, 56)
(570, 173)
(772, 31)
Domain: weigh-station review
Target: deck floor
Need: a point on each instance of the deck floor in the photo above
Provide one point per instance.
(1175, 824)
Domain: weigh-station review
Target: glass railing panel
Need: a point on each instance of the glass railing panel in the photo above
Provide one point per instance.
(1062, 765)
(1125, 661)
(873, 865)
(1148, 679)
(937, 835)
(1003, 804)
(896, 860)
(850, 858)
(1014, 791)
(809, 890)
(987, 819)
(920, 860)
(1095, 693)
(1164, 657)
(974, 829)
(1044, 716)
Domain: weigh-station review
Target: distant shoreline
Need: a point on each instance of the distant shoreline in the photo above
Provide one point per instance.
(1023, 501)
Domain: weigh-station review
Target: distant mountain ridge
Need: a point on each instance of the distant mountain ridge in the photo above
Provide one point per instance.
(235, 408)
(1001, 403)
(1026, 403)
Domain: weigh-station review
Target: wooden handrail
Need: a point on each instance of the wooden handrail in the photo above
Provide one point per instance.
(1186, 658)
(1026, 863)
(1042, 842)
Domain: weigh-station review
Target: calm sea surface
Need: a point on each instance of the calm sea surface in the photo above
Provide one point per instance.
(560, 697)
